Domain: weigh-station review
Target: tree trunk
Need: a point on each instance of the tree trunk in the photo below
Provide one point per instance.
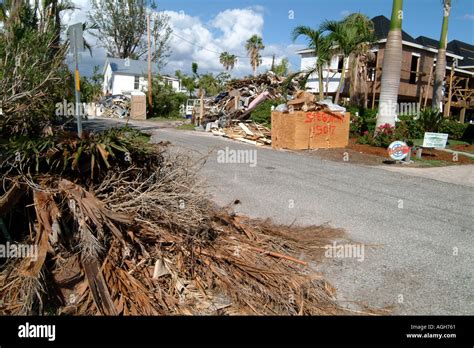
(440, 71)
(341, 81)
(354, 80)
(321, 82)
(391, 68)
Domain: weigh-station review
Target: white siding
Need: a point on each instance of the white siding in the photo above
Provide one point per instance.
(107, 83)
(123, 84)
(115, 83)
(308, 61)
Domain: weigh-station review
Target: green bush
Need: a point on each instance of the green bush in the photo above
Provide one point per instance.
(384, 136)
(430, 120)
(365, 139)
(353, 110)
(408, 128)
(364, 122)
(262, 114)
(453, 128)
(166, 102)
(33, 75)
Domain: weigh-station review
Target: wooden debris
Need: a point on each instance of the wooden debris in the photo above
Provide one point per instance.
(250, 133)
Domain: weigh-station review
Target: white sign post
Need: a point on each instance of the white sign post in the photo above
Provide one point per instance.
(435, 140)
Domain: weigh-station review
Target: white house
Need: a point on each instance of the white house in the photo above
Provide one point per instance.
(331, 76)
(123, 76)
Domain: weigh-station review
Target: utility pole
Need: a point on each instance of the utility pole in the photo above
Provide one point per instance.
(149, 61)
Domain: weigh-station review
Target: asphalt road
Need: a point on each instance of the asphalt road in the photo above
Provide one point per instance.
(417, 232)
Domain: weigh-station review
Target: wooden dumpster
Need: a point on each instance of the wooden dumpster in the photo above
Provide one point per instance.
(138, 106)
(310, 130)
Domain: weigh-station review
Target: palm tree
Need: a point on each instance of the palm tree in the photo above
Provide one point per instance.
(227, 60)
(350, 37)
(440, 70)
(254, 46)
(391, 68)
(320, 44)
(360, 58)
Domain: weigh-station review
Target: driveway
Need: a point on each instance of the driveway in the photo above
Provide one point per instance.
(417, 231)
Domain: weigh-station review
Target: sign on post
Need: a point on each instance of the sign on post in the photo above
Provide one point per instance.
(398, 150)
(435, 140)
(76, 42)
(75, 36)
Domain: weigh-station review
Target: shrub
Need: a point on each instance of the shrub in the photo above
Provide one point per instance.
(384, 135)
(409, 128)
(365, 139)
(453, 128)
(262, 114)
(166, 102)
(430, 120)
(364, 122)
(33, 75)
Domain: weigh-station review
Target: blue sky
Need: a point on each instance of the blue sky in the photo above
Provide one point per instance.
(421, 17)
(203, 28)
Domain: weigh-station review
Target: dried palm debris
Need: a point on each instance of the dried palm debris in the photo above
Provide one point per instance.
(142, 239)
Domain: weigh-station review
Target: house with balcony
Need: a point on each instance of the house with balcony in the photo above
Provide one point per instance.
(417, 75)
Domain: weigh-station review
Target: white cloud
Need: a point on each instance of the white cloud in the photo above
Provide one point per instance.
(87, 62)
(201, 42)
(345, 13)
(196, 41)
(468, 16)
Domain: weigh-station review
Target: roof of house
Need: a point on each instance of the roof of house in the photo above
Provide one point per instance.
(428, 42)
(382, 28)
(462, 49)
(455, 49)
(130, 66)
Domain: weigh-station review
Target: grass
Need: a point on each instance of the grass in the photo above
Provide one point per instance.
(186, 126)
(431, 163)
(419, 142)
(143, 137)
(165, 119)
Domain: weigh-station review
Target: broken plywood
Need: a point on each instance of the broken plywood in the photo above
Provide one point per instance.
(310, 130)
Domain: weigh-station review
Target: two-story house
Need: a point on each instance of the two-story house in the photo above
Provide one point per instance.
(416, 82)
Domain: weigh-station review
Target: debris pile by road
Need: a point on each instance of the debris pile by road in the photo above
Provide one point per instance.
(116, 106)
(139, 237)
(306, 101)
(245, 95)
(251, 133)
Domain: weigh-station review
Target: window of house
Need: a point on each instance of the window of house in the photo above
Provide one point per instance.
(137, 82)
(340, 64)
(415, 64)
(371, 67)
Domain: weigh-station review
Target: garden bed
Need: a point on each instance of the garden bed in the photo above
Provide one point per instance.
(372, 155)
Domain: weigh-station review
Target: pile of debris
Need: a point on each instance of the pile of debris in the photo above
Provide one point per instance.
(245, 95)
(140, 238)
(306, 101)
(251, 133)
(115, 106)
